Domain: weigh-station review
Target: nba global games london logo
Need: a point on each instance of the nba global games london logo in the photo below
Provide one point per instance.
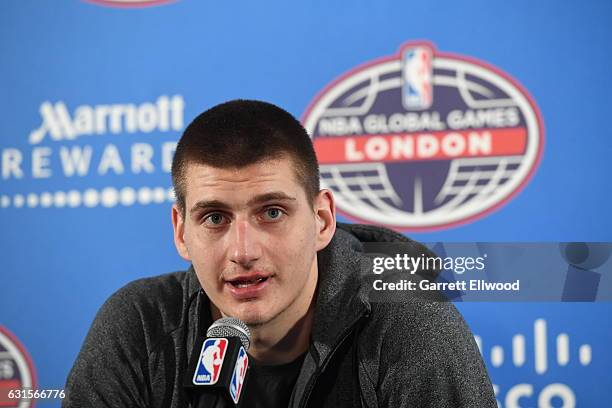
(17, 375)
(424, 139)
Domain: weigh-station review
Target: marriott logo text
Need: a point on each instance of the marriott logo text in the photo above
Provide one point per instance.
(165, 114)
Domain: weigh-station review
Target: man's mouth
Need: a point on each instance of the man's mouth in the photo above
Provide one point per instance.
(248, 286)
(245, 283)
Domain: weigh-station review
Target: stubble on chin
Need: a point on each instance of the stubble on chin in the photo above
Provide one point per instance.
(249, 314)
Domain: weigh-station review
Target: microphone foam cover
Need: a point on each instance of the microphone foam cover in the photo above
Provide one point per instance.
(231, 327)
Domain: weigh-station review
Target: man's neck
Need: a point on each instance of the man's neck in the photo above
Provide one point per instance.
(274, 344)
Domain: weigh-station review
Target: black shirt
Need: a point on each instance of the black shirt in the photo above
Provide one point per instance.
(270, 386)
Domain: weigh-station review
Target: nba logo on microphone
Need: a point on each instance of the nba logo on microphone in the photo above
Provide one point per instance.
(240, 370)
(210, 361)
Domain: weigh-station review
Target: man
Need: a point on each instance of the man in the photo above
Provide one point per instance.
(262, 240)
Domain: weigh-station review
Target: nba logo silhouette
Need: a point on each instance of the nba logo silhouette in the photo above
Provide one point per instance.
(210, 361)
(417, 76)
(240, 370)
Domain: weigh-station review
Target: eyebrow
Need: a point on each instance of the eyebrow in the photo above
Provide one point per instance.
(260, 199)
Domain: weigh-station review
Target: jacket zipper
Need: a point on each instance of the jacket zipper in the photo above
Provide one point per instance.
(312, 382)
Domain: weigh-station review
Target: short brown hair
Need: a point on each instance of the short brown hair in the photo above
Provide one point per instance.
(243, 132)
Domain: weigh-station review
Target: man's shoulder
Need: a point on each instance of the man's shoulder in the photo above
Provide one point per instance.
(166, 291)
(419, 331)
(416, 316)
(428, 345)
(156, 288)
(134, 324)
(146, 308)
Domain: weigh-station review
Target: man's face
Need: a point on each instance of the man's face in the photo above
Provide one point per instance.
(252, 236)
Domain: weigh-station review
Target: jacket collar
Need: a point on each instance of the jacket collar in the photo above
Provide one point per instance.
(345, 283)
(197, 310)
(341, 296)
(342, 300)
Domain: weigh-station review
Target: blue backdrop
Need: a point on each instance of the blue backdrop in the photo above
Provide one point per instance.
(84, 202)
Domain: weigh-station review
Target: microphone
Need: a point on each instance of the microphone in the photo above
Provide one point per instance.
(218, 367)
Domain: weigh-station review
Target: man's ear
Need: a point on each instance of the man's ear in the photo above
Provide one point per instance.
(178, 223)
(325, 213)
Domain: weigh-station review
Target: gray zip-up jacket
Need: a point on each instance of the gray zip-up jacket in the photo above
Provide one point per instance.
(413, 353)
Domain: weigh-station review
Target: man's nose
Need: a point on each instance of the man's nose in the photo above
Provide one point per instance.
(244, 248)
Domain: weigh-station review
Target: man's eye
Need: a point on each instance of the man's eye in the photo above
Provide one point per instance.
(272, 214)
(215, 219)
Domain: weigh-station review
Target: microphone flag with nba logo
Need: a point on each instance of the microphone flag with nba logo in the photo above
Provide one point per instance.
(219, 364)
